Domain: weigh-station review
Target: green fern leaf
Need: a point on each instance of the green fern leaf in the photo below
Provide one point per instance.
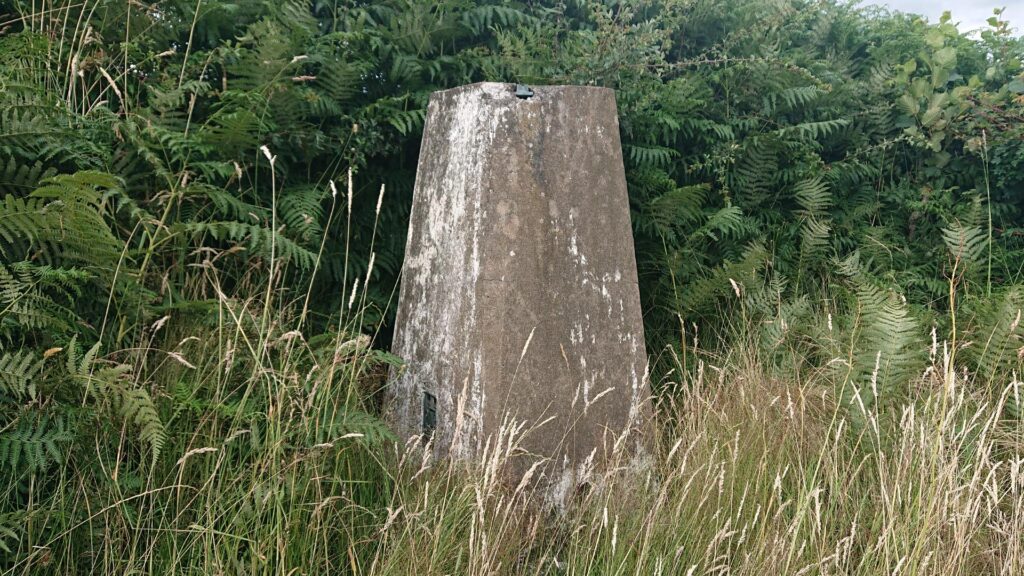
(18, 372)
(965, 243)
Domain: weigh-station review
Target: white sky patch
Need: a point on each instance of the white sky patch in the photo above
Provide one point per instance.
(970, 14)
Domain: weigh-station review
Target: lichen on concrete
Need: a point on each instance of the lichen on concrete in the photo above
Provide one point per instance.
(519, 296)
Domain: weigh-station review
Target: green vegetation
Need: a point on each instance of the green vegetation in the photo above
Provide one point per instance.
(202, 218)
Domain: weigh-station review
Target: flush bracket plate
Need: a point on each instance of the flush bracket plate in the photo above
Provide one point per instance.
(429, 421)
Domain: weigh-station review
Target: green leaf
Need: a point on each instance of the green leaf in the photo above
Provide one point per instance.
(946, 57)
(909, 104)
(931, 115)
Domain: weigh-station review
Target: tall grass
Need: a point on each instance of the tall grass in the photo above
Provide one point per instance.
(754, 474)
(275, 464)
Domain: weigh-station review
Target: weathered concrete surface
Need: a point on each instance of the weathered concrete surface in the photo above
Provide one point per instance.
(519, 292)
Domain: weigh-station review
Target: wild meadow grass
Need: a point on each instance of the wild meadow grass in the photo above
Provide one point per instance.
(751, 474)
(275, 462)
(273, 457)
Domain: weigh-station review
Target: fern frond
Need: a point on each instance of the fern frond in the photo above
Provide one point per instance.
(813, 196)
(20, 178)
(726, 222)
(12, 524)
(754, 173)
(256, 239)
(62, 221)
(20, 219)
(481, 18)
(302, 212)
(965, 243)
(800, 96)
(225, 204)
(888, 347)
(375, 432)
(675, 210)
(339, 82)
(813, 130)
(34, 297)
(997, 331)
(407, 121)
(814, 235)
(33, 442)
(650, 156)
(702, 291)
(18, 371)
(109, 386)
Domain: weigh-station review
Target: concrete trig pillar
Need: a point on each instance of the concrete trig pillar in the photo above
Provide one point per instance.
(519, 297)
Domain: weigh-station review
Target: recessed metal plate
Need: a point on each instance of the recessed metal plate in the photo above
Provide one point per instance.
(429, 415)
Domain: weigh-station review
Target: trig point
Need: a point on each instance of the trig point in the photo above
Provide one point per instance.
(519, 301)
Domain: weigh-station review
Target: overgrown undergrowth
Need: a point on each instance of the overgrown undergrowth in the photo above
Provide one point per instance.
(272, 462)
